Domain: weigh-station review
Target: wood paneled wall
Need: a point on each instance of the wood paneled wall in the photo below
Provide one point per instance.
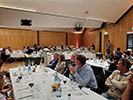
(51, 38)
(91, 37)
(74, 39)
(117, 33)
(16, 39)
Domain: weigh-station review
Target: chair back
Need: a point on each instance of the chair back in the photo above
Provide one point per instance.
(108, 73)
(100, 77)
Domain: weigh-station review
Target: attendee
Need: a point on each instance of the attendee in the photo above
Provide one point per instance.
(2, 72)
(8, 53)
(54, 62)
(127, 55)
(117, 81)
(61, 64)
(128, 93)
(114, 53)
(34, 45)
(78, 51)
(82, 73)
(108, 45)
(62, 47)
(132, 59)
(130, 50)
(2, 96)
(7, 86)
(92, 47)
(29, 51)
(67, 71)
(107, 56)
(3, 56)
(119, 53)
(24, 49)
(113, 66)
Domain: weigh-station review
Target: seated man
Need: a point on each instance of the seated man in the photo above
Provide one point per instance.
(2, 97)
(82, 73)
(107, 56)
(54, 61)
(117, 81)
(113, 66)
(67, 71)
(127, 55)
(128, 93)
(8, 53)
(119, 53)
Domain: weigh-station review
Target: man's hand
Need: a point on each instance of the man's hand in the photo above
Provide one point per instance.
(72, 70)
(9, 98)
(130, 81)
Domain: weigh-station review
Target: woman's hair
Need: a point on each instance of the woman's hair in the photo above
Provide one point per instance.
(1, 81)
(62, 57)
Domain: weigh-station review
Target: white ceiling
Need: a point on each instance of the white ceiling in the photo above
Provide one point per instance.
(61, 15)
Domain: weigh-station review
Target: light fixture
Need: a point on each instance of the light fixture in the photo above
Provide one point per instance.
(16, 8)
(78, 32)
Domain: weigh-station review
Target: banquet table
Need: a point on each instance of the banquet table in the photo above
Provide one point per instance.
(103, 65)
(17, 55)
(43, 80)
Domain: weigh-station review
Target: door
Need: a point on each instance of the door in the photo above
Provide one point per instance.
(106, 38)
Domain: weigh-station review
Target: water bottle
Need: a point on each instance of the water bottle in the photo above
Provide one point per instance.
(58, 91)
(56, 79)
(29, 68)
(69, 96)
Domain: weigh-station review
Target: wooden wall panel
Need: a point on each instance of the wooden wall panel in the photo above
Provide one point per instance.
(74, 39)
(16, 39)
(91, 37)
(51, 38)
(117, 33)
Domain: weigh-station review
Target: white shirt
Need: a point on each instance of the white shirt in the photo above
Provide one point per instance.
(7, 52)
(2, 97)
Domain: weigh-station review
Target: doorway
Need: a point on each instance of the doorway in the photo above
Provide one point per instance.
(130, 41)
(106, 38)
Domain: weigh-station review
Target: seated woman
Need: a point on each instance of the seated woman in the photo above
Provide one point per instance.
(61, 64)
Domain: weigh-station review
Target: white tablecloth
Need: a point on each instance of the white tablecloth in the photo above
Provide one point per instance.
(104, 64)
(45, 81)
(17, 55)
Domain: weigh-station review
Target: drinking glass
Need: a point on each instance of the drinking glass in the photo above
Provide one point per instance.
(40, 62)
(31, 84)
(38, 89)
(19, 67)
(32, 63)
(80, 87)
(64, 81)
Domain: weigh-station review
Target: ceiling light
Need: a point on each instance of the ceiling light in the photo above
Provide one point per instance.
(16, 8)
(78, 32)
(86, 12)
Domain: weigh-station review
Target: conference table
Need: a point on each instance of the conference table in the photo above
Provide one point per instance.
(42, 88)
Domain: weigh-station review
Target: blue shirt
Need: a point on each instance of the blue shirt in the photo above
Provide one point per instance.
(85, 76)
(54, 63)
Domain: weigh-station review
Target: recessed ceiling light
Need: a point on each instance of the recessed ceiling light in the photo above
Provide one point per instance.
(86, 12)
